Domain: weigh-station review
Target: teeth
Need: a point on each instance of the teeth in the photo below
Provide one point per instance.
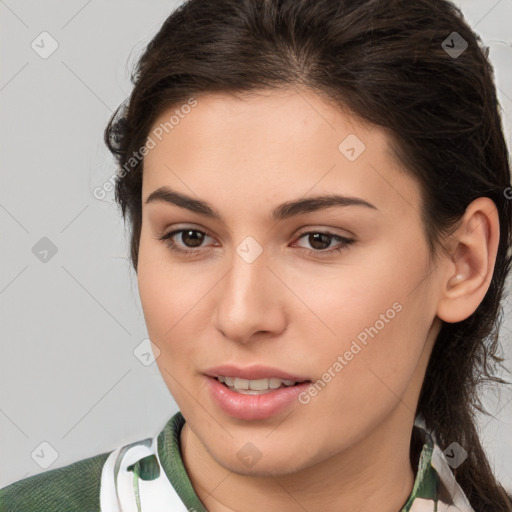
(258, 385)
(248, 386)
(274, 383)
(241, 384)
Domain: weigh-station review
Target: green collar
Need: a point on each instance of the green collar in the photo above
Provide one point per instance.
(169, 452)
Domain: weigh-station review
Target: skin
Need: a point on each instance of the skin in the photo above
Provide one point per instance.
(348, 448)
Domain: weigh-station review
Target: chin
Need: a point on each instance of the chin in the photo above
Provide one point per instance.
(270, 467)
(270, 461)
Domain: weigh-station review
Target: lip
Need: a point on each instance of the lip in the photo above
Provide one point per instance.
(253, 372)
(253, 407)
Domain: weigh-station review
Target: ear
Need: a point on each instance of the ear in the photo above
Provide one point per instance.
(469, 267)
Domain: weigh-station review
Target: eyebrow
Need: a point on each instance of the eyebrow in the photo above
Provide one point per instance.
(281, 212)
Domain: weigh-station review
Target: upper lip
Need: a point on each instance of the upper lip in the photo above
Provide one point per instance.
(253, 372)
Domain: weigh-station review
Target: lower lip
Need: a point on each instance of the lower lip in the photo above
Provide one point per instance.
(254, 407)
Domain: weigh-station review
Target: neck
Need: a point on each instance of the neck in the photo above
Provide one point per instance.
(374, 474)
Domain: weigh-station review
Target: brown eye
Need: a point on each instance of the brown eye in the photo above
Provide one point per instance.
(190, 238)
(320, 242)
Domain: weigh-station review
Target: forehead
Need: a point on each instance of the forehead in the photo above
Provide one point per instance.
(273, 142)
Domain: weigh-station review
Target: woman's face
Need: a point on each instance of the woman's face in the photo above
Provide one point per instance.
(268, 293)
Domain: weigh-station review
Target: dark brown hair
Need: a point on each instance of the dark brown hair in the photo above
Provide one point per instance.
(383, 60)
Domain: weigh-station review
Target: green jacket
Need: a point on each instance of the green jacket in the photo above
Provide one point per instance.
(149, 475)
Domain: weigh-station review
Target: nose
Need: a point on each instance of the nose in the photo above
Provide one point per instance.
(250, 301)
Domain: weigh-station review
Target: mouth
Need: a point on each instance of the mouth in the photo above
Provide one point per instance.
(254, 393)
(256, 386)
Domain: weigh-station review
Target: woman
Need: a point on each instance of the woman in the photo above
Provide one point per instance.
(319, 198)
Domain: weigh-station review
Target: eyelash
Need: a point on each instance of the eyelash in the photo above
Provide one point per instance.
(345, 242)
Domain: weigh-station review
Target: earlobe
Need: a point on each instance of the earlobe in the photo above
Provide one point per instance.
(469, 268)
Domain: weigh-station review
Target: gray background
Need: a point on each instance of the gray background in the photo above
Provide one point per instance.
(70, 325)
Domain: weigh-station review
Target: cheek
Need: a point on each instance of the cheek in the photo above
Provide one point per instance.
(172, 299)
(371, 321)
(166, 292)
(163, 296)
(165, 301)
(373, 294)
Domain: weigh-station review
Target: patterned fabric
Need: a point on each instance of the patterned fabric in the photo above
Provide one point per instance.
(149, 476)
(445, 495)
(132, 480)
